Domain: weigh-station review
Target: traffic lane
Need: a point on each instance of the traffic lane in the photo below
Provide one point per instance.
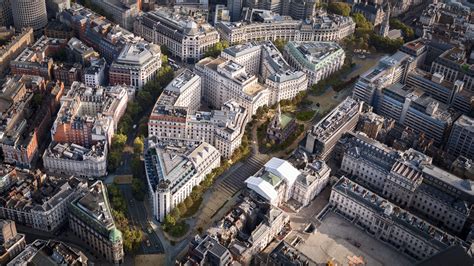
(137, 212)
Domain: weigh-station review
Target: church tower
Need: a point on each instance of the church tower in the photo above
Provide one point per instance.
(385, 26)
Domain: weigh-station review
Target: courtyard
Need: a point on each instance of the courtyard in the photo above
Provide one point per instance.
(337, 240)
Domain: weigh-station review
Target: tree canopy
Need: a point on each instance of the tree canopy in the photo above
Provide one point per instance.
(339, 8)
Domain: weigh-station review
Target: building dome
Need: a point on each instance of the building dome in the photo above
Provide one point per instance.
(115, 235)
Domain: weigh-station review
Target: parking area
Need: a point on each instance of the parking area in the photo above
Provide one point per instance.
(338, 240)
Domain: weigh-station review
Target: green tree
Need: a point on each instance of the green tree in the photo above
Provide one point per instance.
(339, 8)
(165, 50)
(144, 98)
(170, 220)
(175, 213)
(136, 165)
(113, 160)
(138, 145)
(188, 202)
(280, 44)
(408, 32)
(138, 189)
(118, 142)
(182, 208)
(216, 49)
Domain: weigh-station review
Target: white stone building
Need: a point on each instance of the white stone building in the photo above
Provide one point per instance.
(137, 64)
(265, 25)
(73, 159)
(317, 59)
(186, 36)
(410, 180)
(224, 80)
(21, 203)
(388, 222)
(173, 169)
(279, 181)
(94, 75)
(91, 219)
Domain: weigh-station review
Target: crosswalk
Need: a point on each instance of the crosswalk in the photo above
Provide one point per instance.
(234, 182)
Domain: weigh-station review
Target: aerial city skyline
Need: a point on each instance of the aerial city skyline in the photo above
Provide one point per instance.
(256, 132)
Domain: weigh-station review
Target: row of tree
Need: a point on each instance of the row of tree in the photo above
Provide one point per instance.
(131, 235)
(175, 223)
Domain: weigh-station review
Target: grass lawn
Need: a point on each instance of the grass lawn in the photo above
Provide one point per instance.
(305, 115)
(193, 209)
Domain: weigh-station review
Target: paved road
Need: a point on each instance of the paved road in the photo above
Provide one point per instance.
(138, 216)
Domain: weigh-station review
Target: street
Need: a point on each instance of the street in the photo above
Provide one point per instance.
(138, 216)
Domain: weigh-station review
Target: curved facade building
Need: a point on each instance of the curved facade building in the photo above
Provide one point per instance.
(29, 13)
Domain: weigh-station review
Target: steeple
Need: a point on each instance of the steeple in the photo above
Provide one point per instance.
(385, 26)
(278, 116)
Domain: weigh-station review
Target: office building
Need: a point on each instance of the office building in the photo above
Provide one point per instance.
(224, 80)
(410, 180)
(187, 37)
(12, 243)
(208, 251)
(415, 109)
(123, 12)
(461, 139)
(175, 117)
(262, 59)
(389, 223)
(264, 25)
(54, 7)
(279, 181)
(25, 124)
(249, 227)
(39, 201)
(300, 9)
(173, 168)
(452, 64)
(389, 70)
(29, 13)
(80, 52)
(88, 115)
(235, 9)
(453, 94)
(94, 75)
(317, 59)
(49, 252)
(107, 38)
(137, 64)
(58, 30)
(6, 16)
(73, 159)
(90, 219)
(37, 60)
(14, 47)
(323, 136)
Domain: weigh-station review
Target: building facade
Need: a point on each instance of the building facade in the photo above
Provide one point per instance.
(73, 159)
(317, 59)
(136, 65)
(173, 169)
(388, 222)
(185, 36)
(323, 136)
(29, 13)
(265, 25)
(90, 218)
